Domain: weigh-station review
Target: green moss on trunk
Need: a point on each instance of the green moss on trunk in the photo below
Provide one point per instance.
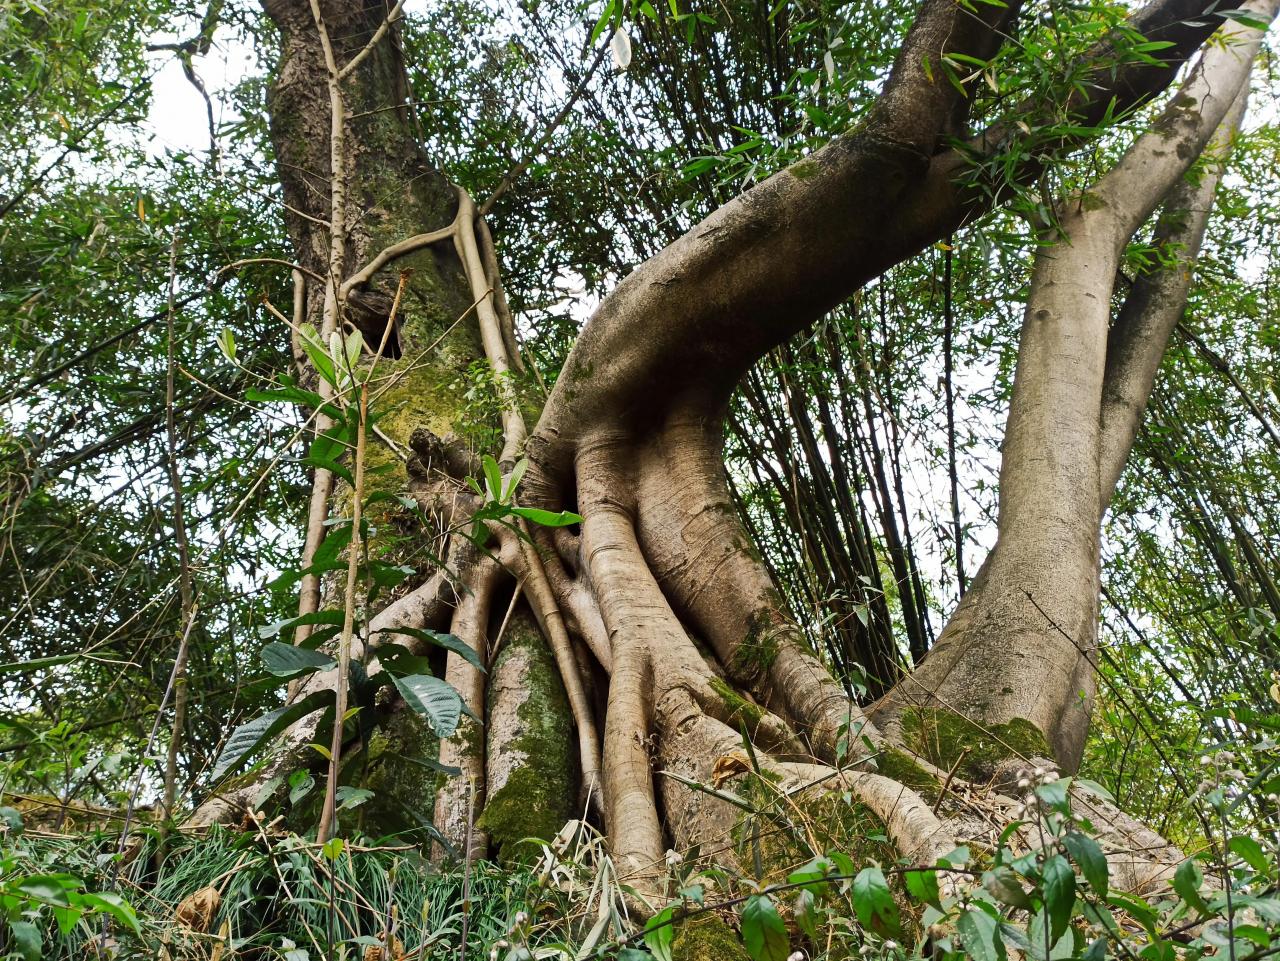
(707, 938)
(540, 793)
(948, 740)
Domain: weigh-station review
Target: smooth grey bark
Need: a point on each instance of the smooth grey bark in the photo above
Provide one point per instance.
(1021, 646)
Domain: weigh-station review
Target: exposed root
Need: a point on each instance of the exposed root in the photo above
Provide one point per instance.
(455, 796)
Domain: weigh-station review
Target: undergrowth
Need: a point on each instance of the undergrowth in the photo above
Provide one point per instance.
(800, 887)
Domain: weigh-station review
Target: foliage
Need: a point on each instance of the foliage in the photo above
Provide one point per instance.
(839, 452)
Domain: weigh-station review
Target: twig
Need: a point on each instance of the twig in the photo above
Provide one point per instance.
(947, 783)
(378, 34)
(323, 832)
(185, 586)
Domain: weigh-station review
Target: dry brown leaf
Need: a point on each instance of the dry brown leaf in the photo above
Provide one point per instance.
(729, 766)
(197, 910)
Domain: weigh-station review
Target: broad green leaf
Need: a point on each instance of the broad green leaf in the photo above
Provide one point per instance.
(547, 518)
(514, 478)
(659, 933)
(285, 660)
(1250, 851)
(1186, 882)
(227, 343)
(981, 934)
(923, 886)
(349, 796)
(874, 904)
(12, 819)
(763, 932)
(1005, 887)
(492, 478)
(300, 785)
(805, 912)
(1059, 888)
(116, 906)
(1089, 858)
(289, 624)
(49, 888)
(434, 699)
(284, 395)
(812, 875)
(251, 735)
(1093, 787)
(449, 642)
(27, 940)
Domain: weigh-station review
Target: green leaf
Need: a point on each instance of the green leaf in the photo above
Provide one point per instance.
(1250, 851)
(37, 664)
(285, 660)
(805, 912)
(923, 886)
(449, 642)
(300, 785)
(333, 848)
(349, 796)
(492, 478)
(289, 624)
(434, 699)
(27, 940)
(659, 933)
(812, 875)
(514, 478)
(117, 907)
(547, 518)
(1059, 889)
(249, 736)
(318, 353)
(1093, 787)
(1005, 887)
(227, 343)
(981, 934)
(12, 819)
(1089, 858)
(284, 395)
(1186, 881)
(1054, 794)
(763, 932)
(873, 901)
(49, 888)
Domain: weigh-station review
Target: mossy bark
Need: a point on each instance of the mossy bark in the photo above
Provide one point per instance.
(532, 774)
(950, 741)
(707, 938)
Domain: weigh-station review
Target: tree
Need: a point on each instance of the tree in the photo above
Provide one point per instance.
(667, 632)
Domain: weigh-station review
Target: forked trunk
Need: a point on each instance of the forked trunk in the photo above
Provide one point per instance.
(665, 630)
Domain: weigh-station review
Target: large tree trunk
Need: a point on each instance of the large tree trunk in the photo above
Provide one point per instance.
(659, 606)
